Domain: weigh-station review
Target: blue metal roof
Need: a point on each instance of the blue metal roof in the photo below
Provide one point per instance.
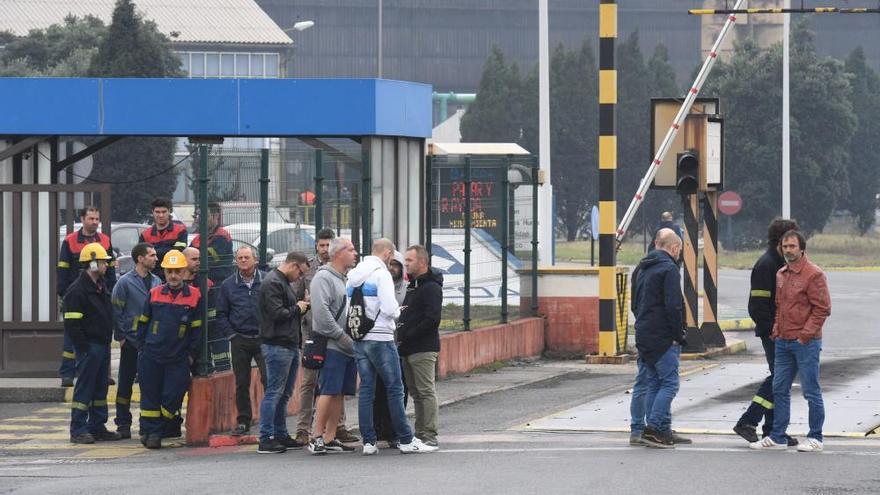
(214, 107)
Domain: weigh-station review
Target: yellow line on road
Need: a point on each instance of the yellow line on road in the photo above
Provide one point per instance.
(34, 419)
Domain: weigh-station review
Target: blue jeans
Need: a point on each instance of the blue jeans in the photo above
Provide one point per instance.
(380, 358)
(281, 366)
(794, 358)
(662, 379)
(642, 400)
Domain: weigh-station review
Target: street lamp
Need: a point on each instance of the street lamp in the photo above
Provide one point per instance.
(300, 26)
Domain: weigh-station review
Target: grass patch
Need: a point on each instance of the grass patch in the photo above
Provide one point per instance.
(826, 250)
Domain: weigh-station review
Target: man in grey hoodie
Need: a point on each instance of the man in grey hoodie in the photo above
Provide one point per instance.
(338, 376)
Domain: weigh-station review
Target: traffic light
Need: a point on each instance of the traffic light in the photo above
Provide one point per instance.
(687, 172)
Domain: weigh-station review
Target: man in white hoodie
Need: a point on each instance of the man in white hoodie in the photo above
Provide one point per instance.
(376, 353)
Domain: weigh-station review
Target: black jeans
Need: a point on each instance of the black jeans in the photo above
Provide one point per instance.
(128, 362)
(244, 350)
(762, 403)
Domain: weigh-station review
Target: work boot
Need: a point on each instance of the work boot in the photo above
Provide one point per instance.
(106, 436)
(111, 381)
(66, 381)
(153, 441)
(241, 429)
(748, 432)
(346, 436)
(82, 438)
(172, 430)
(124, 431)
(303, 437)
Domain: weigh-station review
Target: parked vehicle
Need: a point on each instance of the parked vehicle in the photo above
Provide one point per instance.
(281, 238)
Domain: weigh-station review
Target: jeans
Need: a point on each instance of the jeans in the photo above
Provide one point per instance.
(762, 403)
(128, 362)
(662, 378)
(281, 366)
(794, 358)
(245, 350)
(642, 400)
(380, 358)
(89, 406)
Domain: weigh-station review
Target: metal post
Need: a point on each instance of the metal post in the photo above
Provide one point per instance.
(204, 362)
(379, 51)
(534, 238)
(264, 206)
(319, 191)
(505, 234)
(786, 116)
(429, 202)
(467, 242)
(545, 203)
(366, 202)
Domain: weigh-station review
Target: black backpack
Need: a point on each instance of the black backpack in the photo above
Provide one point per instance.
(358, 324)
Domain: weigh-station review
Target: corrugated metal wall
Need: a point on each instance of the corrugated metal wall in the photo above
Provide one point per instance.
(445, 42)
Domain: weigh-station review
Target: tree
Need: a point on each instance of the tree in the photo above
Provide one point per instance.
(139, 168)
(864, 174)
(62, 49)
(494, 116)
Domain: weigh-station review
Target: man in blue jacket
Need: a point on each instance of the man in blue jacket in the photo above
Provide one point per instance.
(129, 296)
(659, 334)
(237, 318)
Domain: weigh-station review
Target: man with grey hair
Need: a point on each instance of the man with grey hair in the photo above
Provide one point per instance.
(657, 303)
(237, 319)
(376, 352)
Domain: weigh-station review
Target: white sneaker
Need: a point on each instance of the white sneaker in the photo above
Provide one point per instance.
(370, 449)
(767, 443)
(811, 445)
(416, 446)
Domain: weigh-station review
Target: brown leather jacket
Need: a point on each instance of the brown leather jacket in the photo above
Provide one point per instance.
(802, 301)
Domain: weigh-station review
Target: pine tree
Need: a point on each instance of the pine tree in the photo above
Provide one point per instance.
(139, 168)
(864, 149)
(494, 116)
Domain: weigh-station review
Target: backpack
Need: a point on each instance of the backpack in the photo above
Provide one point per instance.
(358, 324)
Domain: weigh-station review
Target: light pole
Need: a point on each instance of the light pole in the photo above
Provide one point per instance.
(546, 221)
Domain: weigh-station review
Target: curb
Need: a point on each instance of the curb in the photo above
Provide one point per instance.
(734, 346)
(737, 325)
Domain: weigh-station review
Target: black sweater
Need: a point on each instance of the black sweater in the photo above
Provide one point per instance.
(418, 328)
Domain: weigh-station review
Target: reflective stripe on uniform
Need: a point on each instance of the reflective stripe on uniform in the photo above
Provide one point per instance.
(196, 324)
(150, 413)
(761, 293)
(167, 414)
(63, 264)
(73, 315)
(181, 331)
(762, 402)
(212, 313)
(180, 244)
(99, 402)
(213, 253)
(79, 405)
(122, 400)
(143, 318)
(118, 302)
(68, 355)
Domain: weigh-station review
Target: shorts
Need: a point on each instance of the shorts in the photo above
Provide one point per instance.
(338, 376)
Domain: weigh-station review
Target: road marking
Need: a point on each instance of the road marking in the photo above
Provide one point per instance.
(35, 419)
(33, 427)
(521, 450)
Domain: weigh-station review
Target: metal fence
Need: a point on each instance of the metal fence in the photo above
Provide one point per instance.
(480, 233)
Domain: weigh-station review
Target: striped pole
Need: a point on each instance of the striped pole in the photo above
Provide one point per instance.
(709, 329)
(607, 177)
(677, 123)
(691, 208)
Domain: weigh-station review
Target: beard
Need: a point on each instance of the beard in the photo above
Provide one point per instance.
(791, 257)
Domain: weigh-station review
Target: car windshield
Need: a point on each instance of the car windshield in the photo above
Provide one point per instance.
(125, 238)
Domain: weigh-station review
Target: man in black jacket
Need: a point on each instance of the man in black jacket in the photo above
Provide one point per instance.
(762, 310)
(659, 334)
(419, 336)
(88, 320)
(279, 315)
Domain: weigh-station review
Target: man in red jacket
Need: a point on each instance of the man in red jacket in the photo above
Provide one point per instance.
(803, 303)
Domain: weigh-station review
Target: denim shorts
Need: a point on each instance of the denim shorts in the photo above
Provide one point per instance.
(338, 376)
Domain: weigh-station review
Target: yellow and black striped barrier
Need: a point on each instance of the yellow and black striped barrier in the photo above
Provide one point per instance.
(711, 332)
(691, 209)
(608, 344)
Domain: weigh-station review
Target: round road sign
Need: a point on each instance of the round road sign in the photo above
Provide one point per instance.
(729, 203)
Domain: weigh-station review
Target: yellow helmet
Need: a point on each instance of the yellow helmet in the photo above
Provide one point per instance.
(174, 259)
(93, 252)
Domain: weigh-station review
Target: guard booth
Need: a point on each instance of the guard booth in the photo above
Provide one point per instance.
(386, 123)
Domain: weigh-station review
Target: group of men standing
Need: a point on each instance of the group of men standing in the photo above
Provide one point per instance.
(789, 302)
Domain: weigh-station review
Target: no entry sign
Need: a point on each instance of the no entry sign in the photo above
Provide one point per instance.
(729, 203)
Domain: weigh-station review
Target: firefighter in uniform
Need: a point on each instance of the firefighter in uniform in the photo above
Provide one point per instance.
(168, 334)
(68, 270)
(762, 310)
(220, 258)
(165, 234)
(88, 321)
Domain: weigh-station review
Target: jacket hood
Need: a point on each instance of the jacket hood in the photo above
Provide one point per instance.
(328, 267)
(433, 275)
(359, 274)
(655, 257)
(398, 257)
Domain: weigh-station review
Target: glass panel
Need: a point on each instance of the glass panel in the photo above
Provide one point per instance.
(389, 179)
(242, 67)
(198, 65)
(213, 65)
(256, 65)
(184, 62)
(227, 65)
(272, 65)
